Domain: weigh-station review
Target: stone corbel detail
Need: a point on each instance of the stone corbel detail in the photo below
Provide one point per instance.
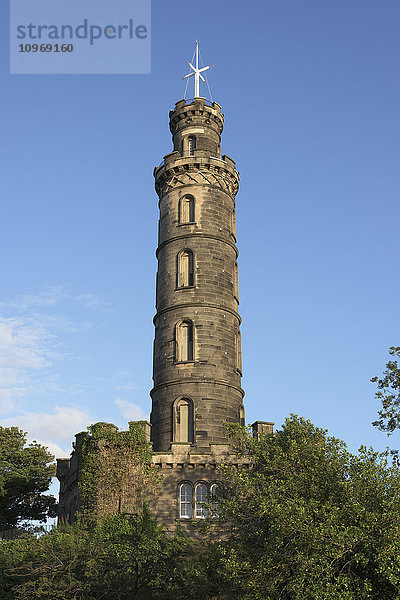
(172, 179)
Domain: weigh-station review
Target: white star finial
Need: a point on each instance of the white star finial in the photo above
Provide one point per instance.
(197, 73)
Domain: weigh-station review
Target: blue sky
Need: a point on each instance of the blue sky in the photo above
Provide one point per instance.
(310, 92)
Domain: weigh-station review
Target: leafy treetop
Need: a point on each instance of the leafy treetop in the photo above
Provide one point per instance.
(25, 474)
(310, 519)
(389, 395)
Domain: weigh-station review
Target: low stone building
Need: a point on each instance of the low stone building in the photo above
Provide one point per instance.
(176, 485)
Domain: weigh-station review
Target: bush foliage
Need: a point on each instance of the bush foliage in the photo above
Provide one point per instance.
(309, 521)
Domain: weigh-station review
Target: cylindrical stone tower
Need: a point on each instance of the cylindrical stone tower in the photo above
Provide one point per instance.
(197, 347)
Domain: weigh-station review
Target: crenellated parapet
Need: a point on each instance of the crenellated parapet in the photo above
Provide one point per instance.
(197, 117)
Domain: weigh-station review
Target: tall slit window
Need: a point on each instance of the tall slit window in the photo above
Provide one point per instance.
(184, 341)
(236, 281)
(200, 500)
(239, 352)
(233, 224)
(191, 145)
(185, 275)
(186, 210)
(214, 499)
(185, 501)
(183, 425)
(242, 421)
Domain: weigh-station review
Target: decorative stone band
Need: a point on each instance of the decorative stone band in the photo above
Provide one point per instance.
(177, 460)
(189, 380)
(215, 172)
(200, 235)
(196, 305)
(182, 458)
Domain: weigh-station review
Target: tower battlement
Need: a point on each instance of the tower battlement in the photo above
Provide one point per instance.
(196, 120)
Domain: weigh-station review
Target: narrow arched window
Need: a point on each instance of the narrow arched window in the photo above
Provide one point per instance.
(236, 282)
(213, 499)
(200, 501)
(233, 224)
(185, 501)
(242, 421)
(187, 341)
(191, 145)
(183, 425)
(239, 352)
(186, 210)
(184, 341)
(184, 270)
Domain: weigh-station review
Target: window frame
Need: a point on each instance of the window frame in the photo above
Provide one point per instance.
(185, 278)
(239, 366)
(176, 412)
(191, 145)
(187, 208)
(186, 503)
(200, 511)
(189, 354)
(201, 493)
(233, 224)
(242, 418)
(236, 281)
(212, 494)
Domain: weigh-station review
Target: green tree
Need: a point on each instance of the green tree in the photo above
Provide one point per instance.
(119, 557)
(388, 395)
(25, 474)
(310, 520)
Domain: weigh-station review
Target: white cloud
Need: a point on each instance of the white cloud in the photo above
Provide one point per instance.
(53, 296)
(24, 350)
(7, 397)
(55, 449)
(129, 387)
(22, 345)
(130, 411)
(61, 425)
(33, 341)
(44, 428)
(90, 301)
(49, 297)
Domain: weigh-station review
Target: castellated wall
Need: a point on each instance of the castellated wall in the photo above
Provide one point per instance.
(111, 472)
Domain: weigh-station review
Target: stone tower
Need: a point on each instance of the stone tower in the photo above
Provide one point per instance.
(197, 348)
